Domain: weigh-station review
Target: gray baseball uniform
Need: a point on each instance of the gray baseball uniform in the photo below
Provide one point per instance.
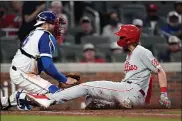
(134, 86)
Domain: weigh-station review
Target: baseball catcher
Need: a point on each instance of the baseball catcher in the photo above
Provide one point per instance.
(132, 91)
(35, 56)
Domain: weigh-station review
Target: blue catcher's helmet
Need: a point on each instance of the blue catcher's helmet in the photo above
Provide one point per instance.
(59, 22)
(45, 16)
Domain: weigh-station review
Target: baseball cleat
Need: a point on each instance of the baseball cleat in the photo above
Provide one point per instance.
(40, 100)
(126, 103)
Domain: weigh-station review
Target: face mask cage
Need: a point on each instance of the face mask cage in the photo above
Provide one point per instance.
(59, 29)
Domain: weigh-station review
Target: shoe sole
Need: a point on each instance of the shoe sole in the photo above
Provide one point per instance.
(31, 98)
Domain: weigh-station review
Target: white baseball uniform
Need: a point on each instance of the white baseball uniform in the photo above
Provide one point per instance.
(134, 86)
(25, 73)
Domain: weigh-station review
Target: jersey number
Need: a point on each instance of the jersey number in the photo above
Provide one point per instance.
(155, 62)
(27, 39)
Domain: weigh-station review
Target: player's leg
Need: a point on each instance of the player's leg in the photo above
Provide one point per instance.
(37, 85)
(95, 104)
(31, 84)
(124, 95)
(134, 96)
(106, 90)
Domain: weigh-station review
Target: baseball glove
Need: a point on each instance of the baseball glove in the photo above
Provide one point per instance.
(70, 75)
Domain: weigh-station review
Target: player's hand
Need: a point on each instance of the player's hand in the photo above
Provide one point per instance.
(71, 81)
(164, 100)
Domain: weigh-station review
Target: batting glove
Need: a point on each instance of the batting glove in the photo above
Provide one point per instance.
(164, 100)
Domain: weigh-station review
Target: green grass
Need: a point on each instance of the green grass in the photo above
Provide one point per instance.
(78, 118)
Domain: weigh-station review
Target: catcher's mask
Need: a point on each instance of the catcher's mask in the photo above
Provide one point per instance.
(59, 29)
(59, 22)
(128, 34)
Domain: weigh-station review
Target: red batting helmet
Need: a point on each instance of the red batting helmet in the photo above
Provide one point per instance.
(128, 34)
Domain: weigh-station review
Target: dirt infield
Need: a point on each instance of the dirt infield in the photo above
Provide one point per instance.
(163, 113)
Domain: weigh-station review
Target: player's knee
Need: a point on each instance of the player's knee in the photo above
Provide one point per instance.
(53, 89)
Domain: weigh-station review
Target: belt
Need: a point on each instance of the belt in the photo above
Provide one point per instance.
(14, 68)
(141, 91)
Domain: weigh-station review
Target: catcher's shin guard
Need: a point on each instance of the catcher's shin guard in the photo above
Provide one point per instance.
(22, 102)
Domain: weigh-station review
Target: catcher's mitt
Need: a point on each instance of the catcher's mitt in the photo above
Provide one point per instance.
(74, 76)
(70, 75)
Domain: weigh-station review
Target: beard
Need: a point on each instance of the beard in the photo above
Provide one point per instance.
(126, 50)
(51, 30)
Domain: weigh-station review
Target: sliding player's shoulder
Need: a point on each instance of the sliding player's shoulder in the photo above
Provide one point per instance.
(144, 50)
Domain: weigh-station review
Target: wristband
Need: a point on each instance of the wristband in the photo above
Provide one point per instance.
(163, 89)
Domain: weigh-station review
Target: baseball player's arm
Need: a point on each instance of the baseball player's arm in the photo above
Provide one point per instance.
(151, 62)
(51, 70)
(162, 78)
(46, 48)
